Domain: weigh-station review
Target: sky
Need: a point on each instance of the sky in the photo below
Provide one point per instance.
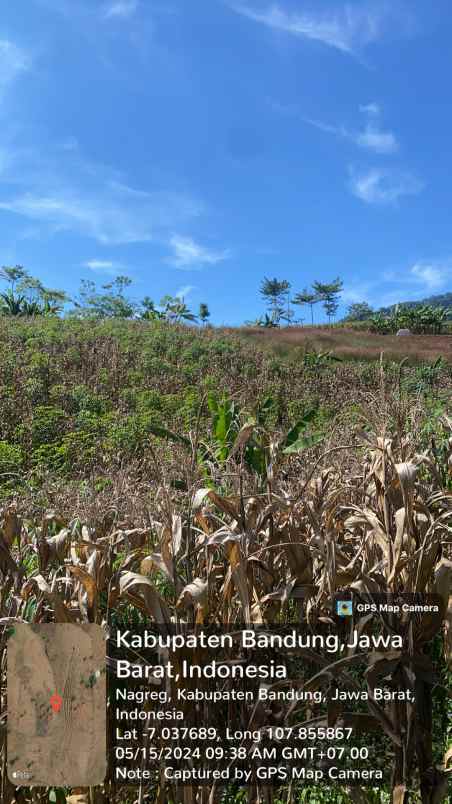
(199, 146)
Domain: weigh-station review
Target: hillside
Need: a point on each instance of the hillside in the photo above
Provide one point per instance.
(152, 470)
(438, 300)
(86, 401)
(353, 343)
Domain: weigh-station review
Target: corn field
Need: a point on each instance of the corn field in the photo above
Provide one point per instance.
(247, 541)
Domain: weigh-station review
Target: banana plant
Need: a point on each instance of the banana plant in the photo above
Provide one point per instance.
(11, 304)
(317, 360)
(249, 438)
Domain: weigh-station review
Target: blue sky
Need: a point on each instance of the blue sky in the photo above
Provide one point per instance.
(200, 145)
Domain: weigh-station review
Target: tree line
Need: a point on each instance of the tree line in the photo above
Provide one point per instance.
(278, 297)
(27, 296)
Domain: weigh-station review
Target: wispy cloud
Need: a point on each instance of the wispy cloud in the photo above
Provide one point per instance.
(372, 109)
(434, 275)
(63, 191)
(120, 9)
(372, 136)
(382, 142)
(112, 215)
(357, 292)
(109, 267)
(189, 254)
(406, 283)
(383, 186)
(347, 29)
(14, 60)
(184, 291)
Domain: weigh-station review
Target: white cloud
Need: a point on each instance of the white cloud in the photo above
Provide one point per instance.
(340, 131)
(189, 254)
(62, 191)
(371, 109)
(112, 214)
(372, 137)
(382, 142)
(184, 291)
(404, 283)
(121, 9)
(58, 190)
(13, 62)
(433, 275)
(347, 29)
(103, 266)
(383, 186)
(357, 292)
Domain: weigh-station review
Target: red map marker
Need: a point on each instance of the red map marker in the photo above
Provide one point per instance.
(56, 702)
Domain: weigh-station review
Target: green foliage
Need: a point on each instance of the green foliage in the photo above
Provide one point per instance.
(235, 434)
(47, 424)
(57, 795)
(265, 321)
(204, 313)
(172, 309)
(297, 438)
(11, 458)
(175, 310)
(150, 312)
(307, 297)
(112, 303)
(328, 293)
(426, 376)
(31, 297)
(11, 303)
(438, 300)
(12, 274)
(359, 311)
(84, 399)
(77, 398)
(316, 361)
(275, 292)
(419, 320)
(435, 434)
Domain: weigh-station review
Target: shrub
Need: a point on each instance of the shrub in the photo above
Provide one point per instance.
(11, 457)
(47, 424)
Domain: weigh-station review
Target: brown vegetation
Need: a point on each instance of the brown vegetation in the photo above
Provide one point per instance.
(351, 343)
(249, 553)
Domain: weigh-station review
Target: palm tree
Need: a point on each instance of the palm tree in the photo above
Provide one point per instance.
(150, 311)
(175, 310)
(204, 313)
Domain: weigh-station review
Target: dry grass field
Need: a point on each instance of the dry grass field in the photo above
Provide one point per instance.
(354, 344)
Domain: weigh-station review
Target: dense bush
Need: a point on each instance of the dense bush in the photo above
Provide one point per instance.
(420, 320)
(78, 397)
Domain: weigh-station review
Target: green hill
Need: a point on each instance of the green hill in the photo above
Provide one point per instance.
(439, 300)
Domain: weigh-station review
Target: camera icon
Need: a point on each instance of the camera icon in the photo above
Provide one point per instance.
(344, 608)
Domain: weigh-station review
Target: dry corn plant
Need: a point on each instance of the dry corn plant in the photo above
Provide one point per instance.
(230, 557)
